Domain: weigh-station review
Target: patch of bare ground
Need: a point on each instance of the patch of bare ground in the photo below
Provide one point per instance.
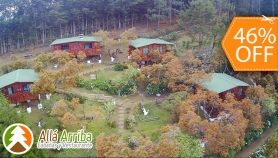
(21, 53)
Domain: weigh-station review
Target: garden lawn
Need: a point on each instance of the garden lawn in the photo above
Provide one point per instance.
(95, 126)
(107, 73)
(153, 127)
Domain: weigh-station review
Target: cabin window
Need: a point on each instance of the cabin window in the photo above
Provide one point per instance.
(159, 49)
(65, 47)
(26, 88)
(10, 90)
(239, 92)
(146, 50)
(88, 45)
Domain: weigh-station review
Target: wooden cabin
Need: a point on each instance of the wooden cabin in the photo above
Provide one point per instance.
(90, 45)
(223, 84)
(16, 85)
(145, 45)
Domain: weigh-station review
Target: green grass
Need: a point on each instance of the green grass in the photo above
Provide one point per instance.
(90, 108)
(96, 126)
(148, 128)
(100, 126)
(108, 73)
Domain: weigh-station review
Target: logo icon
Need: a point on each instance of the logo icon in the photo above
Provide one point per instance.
(18, 138)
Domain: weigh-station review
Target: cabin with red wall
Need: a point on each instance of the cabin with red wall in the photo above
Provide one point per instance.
(145, 45)
(223, 84)
(16, 85)
(90, 45)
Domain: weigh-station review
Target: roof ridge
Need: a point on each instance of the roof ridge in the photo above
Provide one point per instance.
(226, 79)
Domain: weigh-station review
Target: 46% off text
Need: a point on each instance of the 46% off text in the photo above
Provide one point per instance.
(252, 38)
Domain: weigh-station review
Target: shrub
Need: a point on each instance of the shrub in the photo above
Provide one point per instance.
(111, 89)
(79, 82)
(173, 99)
(69, 96)
(130, 122)
(174, 36)
(167, 38)
(89, 85)
(127, 124)
(128, 88)
(82, 99)
(111, 124)
(175, 52)
(249, 137)
(119, 67)
(267, 125)
(152, 89)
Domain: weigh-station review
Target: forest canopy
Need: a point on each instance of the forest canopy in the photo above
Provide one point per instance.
(24, 22)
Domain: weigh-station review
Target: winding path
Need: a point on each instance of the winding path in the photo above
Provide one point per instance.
(120, 109)
(254, 146)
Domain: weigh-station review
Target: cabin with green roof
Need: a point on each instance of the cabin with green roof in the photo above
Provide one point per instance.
(16, 85)
(90, 45)
(145, 45)
(223, 84)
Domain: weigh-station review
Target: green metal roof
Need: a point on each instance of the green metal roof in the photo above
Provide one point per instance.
(76, 39)
(20, 75)
(140, 42)
(221, 82)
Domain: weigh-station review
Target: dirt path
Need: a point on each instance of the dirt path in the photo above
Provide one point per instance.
(257, 143)
(120, 108)
(120, 112)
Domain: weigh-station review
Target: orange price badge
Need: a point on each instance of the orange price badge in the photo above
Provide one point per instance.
(251, 43)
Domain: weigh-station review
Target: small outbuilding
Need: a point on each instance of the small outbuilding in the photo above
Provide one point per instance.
(16, 85)
(145, 45)
(90, 45)
(223, 84)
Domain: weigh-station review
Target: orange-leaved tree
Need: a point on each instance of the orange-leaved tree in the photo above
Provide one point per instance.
(256, 94)
(68, 119)
(195, 76)
(155, 56)
(81, 55)
(60, 108)
(111, 146)
(15, 64)
(135, 56)
(222, 132)
(50, 80)
(74, 103)
(168, 146)
(142, 147)
(64, 113)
